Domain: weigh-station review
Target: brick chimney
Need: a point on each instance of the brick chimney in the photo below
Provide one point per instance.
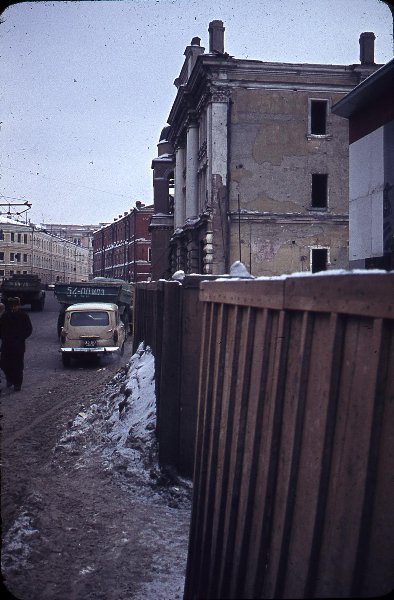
(367, 48)
(216, 37)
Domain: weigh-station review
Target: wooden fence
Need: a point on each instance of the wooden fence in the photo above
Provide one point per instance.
(168, 317)
(293, 481)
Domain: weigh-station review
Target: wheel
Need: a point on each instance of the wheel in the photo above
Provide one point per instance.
(66, 359)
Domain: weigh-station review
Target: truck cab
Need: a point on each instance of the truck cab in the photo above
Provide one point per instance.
(91, 328)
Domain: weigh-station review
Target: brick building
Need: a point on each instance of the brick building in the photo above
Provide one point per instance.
(122, 249)
(258, 162)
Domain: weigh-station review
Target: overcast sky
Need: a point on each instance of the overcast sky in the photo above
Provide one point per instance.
(88, 86)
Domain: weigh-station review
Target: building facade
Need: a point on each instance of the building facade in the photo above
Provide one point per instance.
(81, 235)
(370, 110)
(122, 249)
(29, 249)
(259, 163)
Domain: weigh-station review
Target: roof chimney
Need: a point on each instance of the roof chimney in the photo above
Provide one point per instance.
(367, 48)
(216, 37)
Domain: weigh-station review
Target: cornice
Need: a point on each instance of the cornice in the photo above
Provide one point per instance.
(285, 218)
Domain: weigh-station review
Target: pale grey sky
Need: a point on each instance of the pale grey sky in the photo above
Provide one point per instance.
(87, 86)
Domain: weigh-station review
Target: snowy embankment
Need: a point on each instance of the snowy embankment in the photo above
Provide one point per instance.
(122, 426)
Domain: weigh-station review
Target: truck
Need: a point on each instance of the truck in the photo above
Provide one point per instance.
(98, 289)
(28, 288)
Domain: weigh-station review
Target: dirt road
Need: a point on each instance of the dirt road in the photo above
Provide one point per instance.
(75, 525)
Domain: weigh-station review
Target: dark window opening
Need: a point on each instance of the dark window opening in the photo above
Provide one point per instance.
(89, 319)
(319, 117)
(319, 259)
(319, 190)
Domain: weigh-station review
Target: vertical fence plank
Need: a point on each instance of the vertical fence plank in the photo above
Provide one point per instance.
(210, 525)
(259, 366)
(205, 408)
(375, 545)
(170, 376)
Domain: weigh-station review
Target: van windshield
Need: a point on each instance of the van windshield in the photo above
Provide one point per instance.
(89, 319)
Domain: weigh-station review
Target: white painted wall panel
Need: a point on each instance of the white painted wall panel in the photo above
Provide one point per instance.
(366, 185)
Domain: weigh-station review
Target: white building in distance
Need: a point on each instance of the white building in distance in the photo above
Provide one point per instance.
(30, 249)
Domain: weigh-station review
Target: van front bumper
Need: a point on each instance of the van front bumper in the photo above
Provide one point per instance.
(96, 350)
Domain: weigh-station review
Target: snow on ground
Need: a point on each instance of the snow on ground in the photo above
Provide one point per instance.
(119, 428)
(123, 424)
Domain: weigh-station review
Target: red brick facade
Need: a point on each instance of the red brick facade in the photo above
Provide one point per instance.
(122, 249)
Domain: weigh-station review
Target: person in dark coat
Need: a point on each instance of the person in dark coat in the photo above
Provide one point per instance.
(15, 328)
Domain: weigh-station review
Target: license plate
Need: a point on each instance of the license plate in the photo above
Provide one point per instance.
(90, 343)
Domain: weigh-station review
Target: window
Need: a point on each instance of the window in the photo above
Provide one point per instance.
(1, 234)
(89, 319)
(12, 257)
(25, 238)
(318, 117)
(19, 238)
(319, 190)
(319, 259)
(11, 272)
(12, 236)
(2, 256)
(1, 272)
(25, 258)
(149, 254)
(24, 272)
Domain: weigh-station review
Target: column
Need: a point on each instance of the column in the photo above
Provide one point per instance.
(179, 204)
(192, 170)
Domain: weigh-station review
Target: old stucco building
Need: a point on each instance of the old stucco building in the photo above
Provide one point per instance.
(258, 163)
(30, 249)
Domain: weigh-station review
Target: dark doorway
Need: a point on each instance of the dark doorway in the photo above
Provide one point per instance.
(319, 259)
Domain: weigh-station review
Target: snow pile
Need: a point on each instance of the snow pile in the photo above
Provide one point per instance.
(238, 269)
(16, 543)
(131, 418)
(121, 427)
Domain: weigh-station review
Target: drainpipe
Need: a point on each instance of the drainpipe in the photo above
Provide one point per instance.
(227, 199)
(134, 247)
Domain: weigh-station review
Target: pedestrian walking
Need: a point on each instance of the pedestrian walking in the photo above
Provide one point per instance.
(15, 328)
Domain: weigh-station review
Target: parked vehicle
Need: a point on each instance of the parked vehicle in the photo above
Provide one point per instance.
(99, 289)
(93, 328)
(28, 288)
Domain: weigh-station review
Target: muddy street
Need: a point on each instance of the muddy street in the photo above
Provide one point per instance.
(82, 516)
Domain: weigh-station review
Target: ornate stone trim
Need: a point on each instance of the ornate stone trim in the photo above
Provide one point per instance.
(219, 94)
